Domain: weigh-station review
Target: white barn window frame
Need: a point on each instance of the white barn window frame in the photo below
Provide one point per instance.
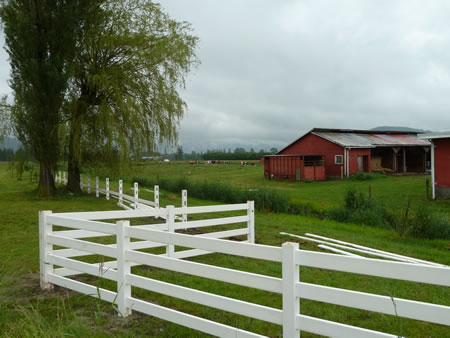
(339, 159)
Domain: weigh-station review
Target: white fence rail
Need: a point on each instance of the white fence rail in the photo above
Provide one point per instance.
(125, 201)
(132, 202)
(289, 286)
(87, 225)
(129, 202)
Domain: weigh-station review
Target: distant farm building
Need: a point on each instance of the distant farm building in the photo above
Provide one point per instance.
(295, 167)
(342, 152)
(440, 163)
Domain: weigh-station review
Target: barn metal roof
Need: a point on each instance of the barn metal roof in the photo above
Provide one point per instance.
(353, 138)
(357, 140)
(442, 134)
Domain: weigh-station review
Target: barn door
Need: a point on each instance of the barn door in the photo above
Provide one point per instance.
(360, 164)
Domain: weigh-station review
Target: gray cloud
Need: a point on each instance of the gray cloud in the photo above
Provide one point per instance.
(271, 70)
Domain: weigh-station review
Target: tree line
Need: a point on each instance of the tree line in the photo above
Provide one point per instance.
(93, 80)
(239, 153)
(220, 155)
(6, 154)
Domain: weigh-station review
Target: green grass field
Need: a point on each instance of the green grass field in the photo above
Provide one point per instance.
(394, 191)
(25, 310)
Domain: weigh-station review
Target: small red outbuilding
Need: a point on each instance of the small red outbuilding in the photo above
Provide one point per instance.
(440, 163)
(294, 167)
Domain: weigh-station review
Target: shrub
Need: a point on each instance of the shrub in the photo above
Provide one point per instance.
(426, 225)
(365, 176)
(340, 215)
(367, 216)
(421, 223)
(355, 200)
(304, 209)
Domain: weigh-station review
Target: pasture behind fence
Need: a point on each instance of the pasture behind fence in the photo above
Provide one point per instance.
(125, 254)
(125, 201)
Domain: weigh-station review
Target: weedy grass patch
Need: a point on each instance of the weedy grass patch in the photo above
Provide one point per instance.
(417, 221)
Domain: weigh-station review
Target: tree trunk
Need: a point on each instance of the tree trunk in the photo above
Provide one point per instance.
(73, 167)
(46, 185)
(74, 156)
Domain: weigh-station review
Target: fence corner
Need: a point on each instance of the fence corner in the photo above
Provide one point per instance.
(44, 249)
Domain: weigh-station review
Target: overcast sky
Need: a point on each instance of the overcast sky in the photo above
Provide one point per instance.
(272, 70)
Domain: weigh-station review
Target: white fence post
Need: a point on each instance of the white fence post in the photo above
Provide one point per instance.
(89, 185)
(170, 249)
(184, 205)
(120, 192)
(97, 191)
(136, 195)
(156, 197)
(123, 269)
(107, 188)
(44, 249)
(291, 303)
(64, 177)
(251, 221)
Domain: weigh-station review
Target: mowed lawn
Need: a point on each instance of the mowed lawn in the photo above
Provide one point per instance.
(393, 191)
(27, 311)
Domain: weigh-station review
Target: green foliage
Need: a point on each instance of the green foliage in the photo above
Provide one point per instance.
(355, 200)
(265, 199)
(365, 176)
(124, 97)
(425, 224)
(39, 42)
(419, 222)
(6, 154)
(179, 155)
(21, 161)
(305, 209)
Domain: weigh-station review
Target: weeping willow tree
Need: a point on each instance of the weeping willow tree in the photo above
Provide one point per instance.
(39, 36)
(130, 63)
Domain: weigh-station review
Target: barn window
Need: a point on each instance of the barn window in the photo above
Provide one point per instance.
(338, 159)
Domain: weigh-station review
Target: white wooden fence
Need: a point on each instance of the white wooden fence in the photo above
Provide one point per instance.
(125, 201)
(124, 252)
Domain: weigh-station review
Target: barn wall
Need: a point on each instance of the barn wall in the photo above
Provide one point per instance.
(442, 162)
(315, 145)
(316, 173)
(283, 167)
(353, 160)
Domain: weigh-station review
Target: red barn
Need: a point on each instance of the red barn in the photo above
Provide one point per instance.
(440, 163)
(347, 151)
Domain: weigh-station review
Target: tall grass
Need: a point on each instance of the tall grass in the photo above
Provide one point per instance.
(413, 221)
(358, 208)
(365, 176)
(265, 199)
